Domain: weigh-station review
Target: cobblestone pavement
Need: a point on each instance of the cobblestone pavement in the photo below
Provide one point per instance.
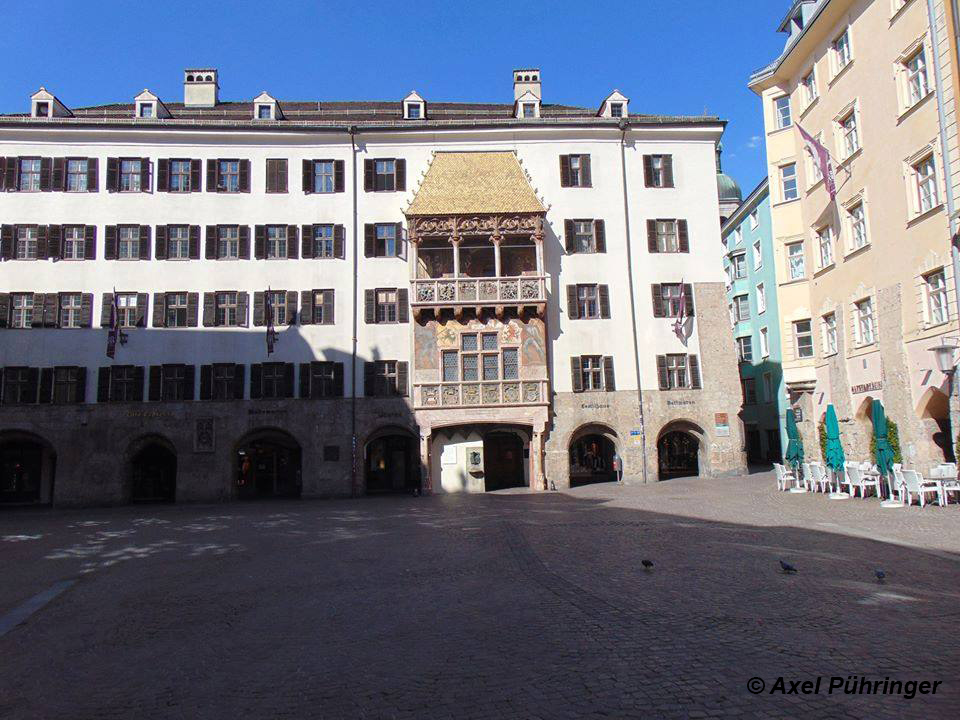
(495, 606)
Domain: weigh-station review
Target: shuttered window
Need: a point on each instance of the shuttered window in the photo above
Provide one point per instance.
(176, 310)
(68, 385)
(125, 383)
(228, 176)
(77, 179)
(20, 385)
(70, 310)
(27, 241)
(128, 242)
(276, 175)
(130, 175)
(127, 309)
(226, 309)
(226, 382)
(386, 378)
(29, 175)
(228, 242)
(74, 246)
(176, 383)
(678, 372)
(658, 171)
(323, 241)
(276, 242)
(21, 315)
(324, 379)
(575, 171)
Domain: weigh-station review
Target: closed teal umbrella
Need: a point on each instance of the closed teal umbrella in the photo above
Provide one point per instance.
(794, 454)
(883, 452)
(834, 450)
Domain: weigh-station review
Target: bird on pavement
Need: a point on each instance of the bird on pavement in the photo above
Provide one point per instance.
(880, 575)
(647, 564)
(787, 567)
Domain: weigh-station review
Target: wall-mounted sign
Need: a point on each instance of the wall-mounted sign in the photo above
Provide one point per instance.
(721, 422)
(678, 403)
(449, 455)
(866, 387)
(637, 437)
(798, 414)
(594, 406)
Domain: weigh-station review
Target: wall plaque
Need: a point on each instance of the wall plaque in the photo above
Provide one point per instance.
(203, 435)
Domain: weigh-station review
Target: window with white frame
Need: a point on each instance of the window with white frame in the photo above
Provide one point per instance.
(842, 54)
(764, 343)
(70, 310)
(178, 242)
(828, 324)
(935, 285)
(866, 329)
(130, 175)
(22, 313)
(146, 110)
(761, 298)
(849, 134)
(809, 83)
(26, 242)
(175, 314)
(754, 219)
(803, 339)
(276, 241)
(825, 246)
(741, 307)
(29, 175)
(667, 236)
(228, 242)
(796, 264)
(76, 175)
(127, 309)
(745, 348)
(788, 181)
(858, 226)
(739, 263)
(782, 109)
(226, 309)
(757, 256)
(916, 84)
(73, 242)
(528, 110)
(738, 236)
(925, 181)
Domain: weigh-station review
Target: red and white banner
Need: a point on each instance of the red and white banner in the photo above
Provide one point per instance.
(271, 331)
(821, 156)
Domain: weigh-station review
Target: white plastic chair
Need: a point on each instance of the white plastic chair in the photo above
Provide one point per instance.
(898, 481)
(818, 478)
(806, 477)
(784, 477)
(853, 479)
(914, 484)
(870, 481)
(950, 484)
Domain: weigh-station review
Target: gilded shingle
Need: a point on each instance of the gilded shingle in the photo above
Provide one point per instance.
(459, 183)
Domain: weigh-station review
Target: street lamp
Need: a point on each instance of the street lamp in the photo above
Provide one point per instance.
(946, 355)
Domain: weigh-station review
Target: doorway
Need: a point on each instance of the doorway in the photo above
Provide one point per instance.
(591, 460)
(390, 467)
(154, 474)
(21, 464)
(678, 455)
(502, 461)
(269, 466)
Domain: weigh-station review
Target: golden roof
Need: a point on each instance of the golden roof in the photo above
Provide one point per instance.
(461, 183)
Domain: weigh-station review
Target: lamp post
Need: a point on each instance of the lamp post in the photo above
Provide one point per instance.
(946, 355)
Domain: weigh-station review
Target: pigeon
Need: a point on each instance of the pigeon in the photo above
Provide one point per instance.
(416, 492)
(647, 564)
(787, 567)
(553, 485)
(880, 575)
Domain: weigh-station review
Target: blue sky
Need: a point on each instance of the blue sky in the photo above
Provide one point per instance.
(667, 56)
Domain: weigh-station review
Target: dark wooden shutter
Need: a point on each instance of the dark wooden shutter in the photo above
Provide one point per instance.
(668, 171)
(338, 173)
(206, 382)
(648, 170)
(243, 245)
(403, 374)
(609, 383)
(369, 239)
(163, 175)
(328, 307)
(10, 174)
(657, 300)
(403, 305)
(81, 384)
(573, 308)
(194, 242)
(683, 237)
(90, 242)
(291, 307)
(103, 385)
(569, 232)
(280, 175)
(46, 170)
(209, 309)
(55, 242)
(51, 309)
(243, 302)
(156, 378)
(293, 242)
(4, 309)
(144, 242)
(93, 174)
(86, 310)
(260, 242)
(369, 382)
(370, 306)
(259, 318)
(288, 373)
(307, 241)
(564, 171)
(305, 380)
(6, 242)
(652, 236)
(400, 247)
(688, 294)
(693, 363)
(160, 252)
(306, 307)
(245, 176)
(663, 376)
(159, 305)
(211, 176)
(369, 172)
(238, 376)
(58, 179)
(338, 379)
(338, 241)
(576, 374)
(210, 242)
(400, 165)
(256, 381)
(586, 179)
(33, 380)
(603, 293)
(110, 242)
(138, 378)
(143, 299)
(600, 235)
(43, 249)
(144, 174)
(106, 304)
(46, 385)
(195, 184)
(189, 381)
(307, 174)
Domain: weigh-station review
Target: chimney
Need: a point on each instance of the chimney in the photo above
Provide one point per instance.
(526, 80)
(200, 87)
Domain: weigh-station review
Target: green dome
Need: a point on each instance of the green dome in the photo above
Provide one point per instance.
(728, 189)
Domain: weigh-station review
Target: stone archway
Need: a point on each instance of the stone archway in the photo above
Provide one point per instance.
(679, 447)
(152, 470)
(27, 469)
(592, 449)
(391, 462)
(268, 465)
(934, 413)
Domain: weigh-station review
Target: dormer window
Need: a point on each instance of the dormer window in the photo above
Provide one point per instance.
(616, 110)
(414, 107)
(413, 111)
(42, 109)
(529, 110)
(264, 112)
(146, 110)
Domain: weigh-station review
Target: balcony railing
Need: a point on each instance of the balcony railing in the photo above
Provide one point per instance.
(473, 291)
(488, 393)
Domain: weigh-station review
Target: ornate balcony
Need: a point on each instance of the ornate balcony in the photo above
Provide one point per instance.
(473, 292)
(487, 393)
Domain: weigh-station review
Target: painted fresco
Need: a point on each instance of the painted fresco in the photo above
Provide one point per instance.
(533, 344)
(425, 346)
(434, 336)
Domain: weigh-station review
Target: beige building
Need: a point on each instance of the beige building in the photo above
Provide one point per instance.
(865, 282)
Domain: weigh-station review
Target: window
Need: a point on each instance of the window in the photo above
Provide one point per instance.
(587, 303)
(670, 297)
(277, 175)
(127, 309)
(272, 380)
(128, 242)
(179, 176)
(76, 176)
(761, 298)
(176, 310)
(29, 175)
(469, 346)
(754, 220)
(866, 329)
(768, 387)
(323, 241)
(276, 242)
(741, 308)
(27, 242)
(757, 256)
(173, 383)
(676, 368)
(385, 378)
(385, 244)
(324, 380)
(666, 236)
(450, 365)
(616, 110)
(803, 337)
(228, 176)
(738, 236)
(130, 175)
(276, 304)
(43, 109)
(739, 263)
(825, 245)
(829, 324)
(591, 372)
(925, 177)
(323, 178)
(322, 307)
(491, 367)
(146, 110)
(916, 77)
(413, 111)
(224, 378)
(70, 311)
(124, 385)
(841, 52)
(658, 171)
(66, 385)
(809, 83)
(764, 343)
(74, 243)
(228, 242)
(858, 226)
(782, 109)
(584, 238)
(529, 110)
(178, 242)
(385, 175)
(936, 288)
(575, 171)
(749, 391)
(745, 348)
(796, 264)
(788, 181)
(511, 363)
(849, 133)
(264, 112)
(386, 306)
(22, 314)
(226, 309)
(19, 385)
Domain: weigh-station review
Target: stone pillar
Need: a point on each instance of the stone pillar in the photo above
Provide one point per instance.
(538, 244)
(426, 477)
(455, 241)
(496, 254)
(537, 480)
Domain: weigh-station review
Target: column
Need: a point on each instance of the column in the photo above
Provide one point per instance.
(455, 241)
(426, 478)
(496, 238)
(537, 479)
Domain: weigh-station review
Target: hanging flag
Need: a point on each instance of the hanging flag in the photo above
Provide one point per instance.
(678, 327)
(271, 332)
(113, 334)
(821, 156)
